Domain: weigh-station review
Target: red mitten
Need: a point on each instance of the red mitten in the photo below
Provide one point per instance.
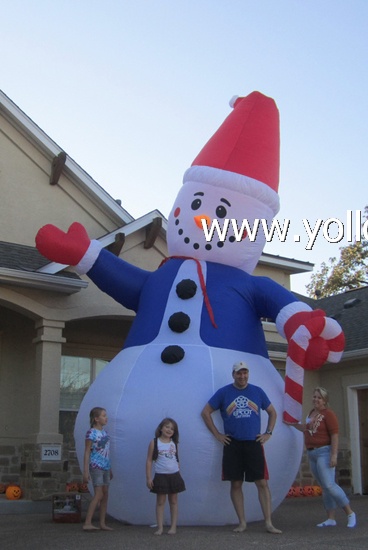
(64, 248)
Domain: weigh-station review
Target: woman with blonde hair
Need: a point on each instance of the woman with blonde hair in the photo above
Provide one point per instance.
(321, 436)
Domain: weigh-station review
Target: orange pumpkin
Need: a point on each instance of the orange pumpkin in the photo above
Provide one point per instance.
(13, 492)
(72, 487)
(293, 492)
(308, 491)
(317, 490)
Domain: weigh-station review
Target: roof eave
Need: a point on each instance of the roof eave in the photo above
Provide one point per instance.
(41, 281)
(354, 354)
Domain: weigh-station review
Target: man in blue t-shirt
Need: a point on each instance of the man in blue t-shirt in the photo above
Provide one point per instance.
(240, 405)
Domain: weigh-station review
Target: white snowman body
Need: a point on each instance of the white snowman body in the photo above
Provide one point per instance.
(138, 389)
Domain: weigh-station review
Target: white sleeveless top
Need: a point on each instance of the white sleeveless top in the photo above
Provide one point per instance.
(166, 462)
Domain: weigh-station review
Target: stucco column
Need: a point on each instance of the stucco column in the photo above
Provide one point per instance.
(43, 473)
(48, 344)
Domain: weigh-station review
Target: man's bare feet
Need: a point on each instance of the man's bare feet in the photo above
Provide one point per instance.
(90, 527)
(241, 527)
(271, 529)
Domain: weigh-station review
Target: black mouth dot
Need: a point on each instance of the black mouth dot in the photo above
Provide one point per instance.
(176, 222)
(180, 232)
(187, 240)
(232, 239)
(208, 247)
(220, 244)
(196, 246)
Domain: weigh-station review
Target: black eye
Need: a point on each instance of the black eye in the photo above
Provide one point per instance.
(221, 211)
(196, 204)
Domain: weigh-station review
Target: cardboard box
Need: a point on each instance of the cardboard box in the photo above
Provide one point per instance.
(66, 508)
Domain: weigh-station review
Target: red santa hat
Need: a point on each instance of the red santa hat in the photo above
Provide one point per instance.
(244, 153)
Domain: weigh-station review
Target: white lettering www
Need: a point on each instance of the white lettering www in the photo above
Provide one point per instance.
(246, 228)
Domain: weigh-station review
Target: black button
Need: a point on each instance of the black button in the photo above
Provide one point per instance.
(186, 289)
(172, 354)
(179, 321)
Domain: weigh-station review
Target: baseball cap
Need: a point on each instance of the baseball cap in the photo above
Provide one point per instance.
(240, 365)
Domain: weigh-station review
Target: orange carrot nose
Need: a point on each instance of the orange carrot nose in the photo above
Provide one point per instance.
(198, 220)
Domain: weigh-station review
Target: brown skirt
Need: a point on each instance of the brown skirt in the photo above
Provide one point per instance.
(168, 484)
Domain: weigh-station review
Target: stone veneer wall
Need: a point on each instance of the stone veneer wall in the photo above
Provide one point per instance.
(40, 479)
(22, 464)
(74, 471)
(9, 464)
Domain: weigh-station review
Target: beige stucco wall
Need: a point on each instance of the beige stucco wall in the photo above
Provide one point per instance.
(17, 377)
(28, 201)
(337, 379)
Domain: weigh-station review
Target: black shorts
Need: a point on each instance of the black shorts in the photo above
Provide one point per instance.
(244, 461)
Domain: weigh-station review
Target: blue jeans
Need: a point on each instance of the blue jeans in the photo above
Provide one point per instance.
(333, 495)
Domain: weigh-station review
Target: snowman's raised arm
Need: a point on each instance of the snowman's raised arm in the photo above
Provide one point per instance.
(119, 279)
(313, 339)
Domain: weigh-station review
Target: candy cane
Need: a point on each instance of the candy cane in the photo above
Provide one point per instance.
(319, 340)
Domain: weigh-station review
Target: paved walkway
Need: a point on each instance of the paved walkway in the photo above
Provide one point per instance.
(297, 517)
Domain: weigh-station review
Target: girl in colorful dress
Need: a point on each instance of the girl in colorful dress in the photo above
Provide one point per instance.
(163, 451)
(97, 467)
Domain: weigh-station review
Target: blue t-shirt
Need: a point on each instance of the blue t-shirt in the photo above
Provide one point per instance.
(100, 449)
(241, 410)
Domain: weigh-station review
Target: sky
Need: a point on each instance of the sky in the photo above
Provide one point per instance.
(133, 89)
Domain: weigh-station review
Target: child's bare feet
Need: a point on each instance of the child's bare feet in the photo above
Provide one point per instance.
(241, 527)
(271, 529)
(158, 532)
(172, 531)
(106, 528)
(90, 527)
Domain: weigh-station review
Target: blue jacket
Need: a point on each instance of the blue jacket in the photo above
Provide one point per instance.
(238, 301)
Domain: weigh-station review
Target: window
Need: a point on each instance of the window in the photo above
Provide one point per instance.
(77, 374)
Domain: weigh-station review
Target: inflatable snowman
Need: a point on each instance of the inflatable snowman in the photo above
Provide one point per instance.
(197, 315)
